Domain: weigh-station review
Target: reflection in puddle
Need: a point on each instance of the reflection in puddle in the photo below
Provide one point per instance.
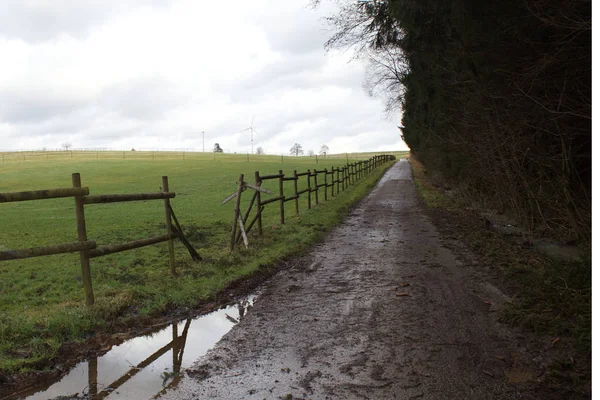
(142, 367)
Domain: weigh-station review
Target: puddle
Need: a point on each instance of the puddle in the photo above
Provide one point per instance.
(142, 367)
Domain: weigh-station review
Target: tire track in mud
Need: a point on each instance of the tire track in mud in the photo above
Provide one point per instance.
(378, 310)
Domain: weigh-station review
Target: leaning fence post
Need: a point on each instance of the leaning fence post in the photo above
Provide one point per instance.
(258, 205)
(282, 198)
(236, 211)
(296, 192)
(165, 188)
(84, 255)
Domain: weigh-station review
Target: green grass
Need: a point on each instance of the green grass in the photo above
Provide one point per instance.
(41, 299)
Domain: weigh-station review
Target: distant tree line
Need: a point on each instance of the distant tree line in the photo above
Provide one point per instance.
(496, 97)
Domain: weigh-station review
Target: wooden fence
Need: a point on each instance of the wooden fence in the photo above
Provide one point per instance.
(87, 248)
(335, 180)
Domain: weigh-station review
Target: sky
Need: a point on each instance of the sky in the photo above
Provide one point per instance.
(155, 74)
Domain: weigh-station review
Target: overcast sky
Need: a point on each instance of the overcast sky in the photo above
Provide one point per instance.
(150, 74)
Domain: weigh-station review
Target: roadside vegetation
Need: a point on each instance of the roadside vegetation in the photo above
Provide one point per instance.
(550, 297)
(41, 299)
(495, 99)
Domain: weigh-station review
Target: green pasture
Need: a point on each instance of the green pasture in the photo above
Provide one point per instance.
(41, 299)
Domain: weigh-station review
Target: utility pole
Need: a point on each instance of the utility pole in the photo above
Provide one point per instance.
(203, 141)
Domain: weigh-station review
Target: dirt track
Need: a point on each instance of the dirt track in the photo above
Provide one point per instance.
(379, 310)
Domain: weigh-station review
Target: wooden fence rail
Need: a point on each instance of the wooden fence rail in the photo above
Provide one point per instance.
(88, 249)
(335, 180)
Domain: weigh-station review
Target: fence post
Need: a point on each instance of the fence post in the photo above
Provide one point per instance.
(317, 158)
(316, 187)
(236, 212)
(84, 255)
(165, 188)
(325, 184)
(332, 181)
(282, 201)
(338, 179)
(258, 205)
(93, 376)
(309, 188)
(296, 193)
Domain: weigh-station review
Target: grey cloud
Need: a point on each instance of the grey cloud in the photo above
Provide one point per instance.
(145, 109)
(142, 99)
(21, 107)
(38, 21)
(293, 28)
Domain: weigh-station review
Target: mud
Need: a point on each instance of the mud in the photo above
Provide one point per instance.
(73, 355)
(379, 310)
(143, 366)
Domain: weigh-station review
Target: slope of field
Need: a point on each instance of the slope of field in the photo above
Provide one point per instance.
(41, 298)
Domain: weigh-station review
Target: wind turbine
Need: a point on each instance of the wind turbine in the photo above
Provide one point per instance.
(252, 132)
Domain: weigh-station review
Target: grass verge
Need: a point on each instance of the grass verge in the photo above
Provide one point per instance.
(550, 297)
(41, 299)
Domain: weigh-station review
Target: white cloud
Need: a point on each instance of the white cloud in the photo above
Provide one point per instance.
(156, 73)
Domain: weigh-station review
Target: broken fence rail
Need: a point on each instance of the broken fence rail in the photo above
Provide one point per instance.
(340, 178)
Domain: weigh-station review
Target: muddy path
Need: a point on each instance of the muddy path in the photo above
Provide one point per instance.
(381, 309)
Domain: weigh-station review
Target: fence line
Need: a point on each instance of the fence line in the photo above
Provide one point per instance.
(242, 224)
(344, 177)
(88, 249)
(146, 154)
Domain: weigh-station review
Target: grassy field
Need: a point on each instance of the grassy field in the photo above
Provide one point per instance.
(41, 299)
